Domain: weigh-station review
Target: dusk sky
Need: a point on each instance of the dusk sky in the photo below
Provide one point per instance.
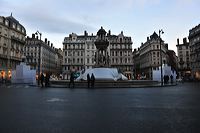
(56, 19)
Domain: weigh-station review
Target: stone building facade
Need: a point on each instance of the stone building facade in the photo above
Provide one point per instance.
(183, 51)
(150, 55)
(79, 53)
(194, 43)
(12, 41)
(41, 52)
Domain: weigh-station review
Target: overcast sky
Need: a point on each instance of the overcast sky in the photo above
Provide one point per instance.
(56, 19)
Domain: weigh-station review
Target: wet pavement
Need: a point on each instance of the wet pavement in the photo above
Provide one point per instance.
(29, 109)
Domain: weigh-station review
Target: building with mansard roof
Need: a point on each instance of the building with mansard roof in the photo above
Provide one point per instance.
(12, 41)
(148, 56)
(79, 52)
(43, 56)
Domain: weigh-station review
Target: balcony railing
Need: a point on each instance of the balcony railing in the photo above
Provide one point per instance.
(15, 58)
(3, 56)
(17, 39)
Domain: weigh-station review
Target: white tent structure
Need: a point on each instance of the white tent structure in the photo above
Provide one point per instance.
(166, 71)
(103, 74)
(23, 74)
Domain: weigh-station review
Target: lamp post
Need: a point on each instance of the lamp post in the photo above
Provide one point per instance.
(161, 32)
(39, 33)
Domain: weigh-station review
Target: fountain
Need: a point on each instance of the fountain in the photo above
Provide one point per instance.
(105, 75)
(102, 69)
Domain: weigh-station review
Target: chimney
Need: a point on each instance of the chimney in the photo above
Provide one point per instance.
(109, 32)
(85, 33)
(122, 32)
(45, 40)
(48, 43)
(166, 45)
(33, 36)
(184, 40)
(177, 41)
(147, 38)
(51, 45)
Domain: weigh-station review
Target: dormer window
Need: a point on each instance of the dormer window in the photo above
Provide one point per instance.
(6, 22)
(23, 30)
(18, 27)
(120, 40)
(14, 25)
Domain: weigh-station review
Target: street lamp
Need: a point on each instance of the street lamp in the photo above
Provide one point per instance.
(161, 32)
(39, 33)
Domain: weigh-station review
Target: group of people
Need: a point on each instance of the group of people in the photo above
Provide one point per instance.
(44, 79)
(90, 80)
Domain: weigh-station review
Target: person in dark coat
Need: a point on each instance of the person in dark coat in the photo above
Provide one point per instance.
(171, 78)
(42, 79)
(92, 80)
(47, 80)
(88, 80)
(71, 80)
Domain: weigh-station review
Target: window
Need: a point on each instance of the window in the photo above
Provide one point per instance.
(18, 27)
(1, 19)
(14, 25)
(7, 22)
(23, 31)
(158, 53)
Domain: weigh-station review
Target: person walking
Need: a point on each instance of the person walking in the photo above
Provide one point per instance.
(88, 80)
(71, 80)
(42, 79)
(92, 80)
(171, 78)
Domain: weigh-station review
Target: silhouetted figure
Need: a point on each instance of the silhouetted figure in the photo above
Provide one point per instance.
(88, 80)
(167, 78)
(171, 78)
(71, 80)
(92, 80)
(42, 79)
(47, 80)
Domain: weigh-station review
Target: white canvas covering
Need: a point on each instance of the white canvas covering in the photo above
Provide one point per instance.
(23, 74)
(103, 74)
(166, 71)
